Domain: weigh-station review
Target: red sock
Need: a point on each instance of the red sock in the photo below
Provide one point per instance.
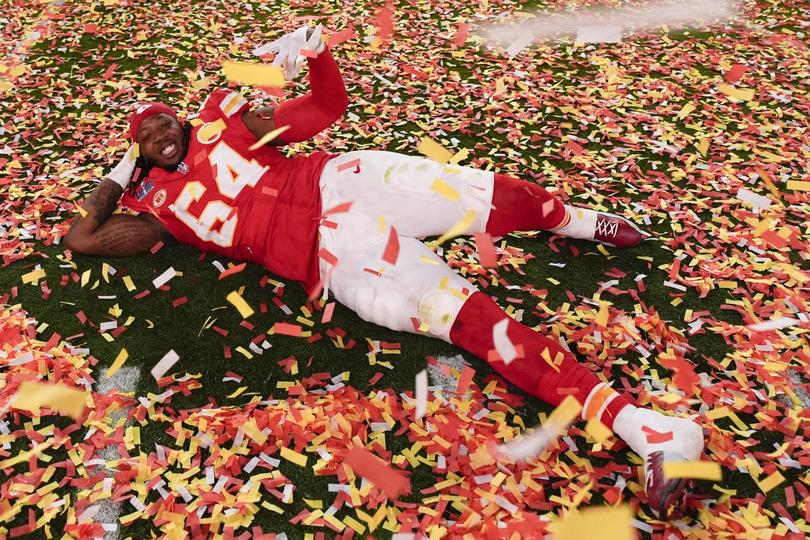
(522, 206)
(532, 373)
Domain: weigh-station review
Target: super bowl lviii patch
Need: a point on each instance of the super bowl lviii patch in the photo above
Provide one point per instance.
(143, 190)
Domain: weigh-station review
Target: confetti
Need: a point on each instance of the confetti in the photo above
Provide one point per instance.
(421, 393)
(392, 482)
(254, 74)
(391, 251)
(458, 228)
(268, 137)
(506, 350)
(434, 150)
(117, 363)
(164, 365)
(164, 278)
(613, 523)
(704, 470)
(32, 396)
(239, 303)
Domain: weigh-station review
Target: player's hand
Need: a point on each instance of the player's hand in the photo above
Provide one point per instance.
(288, 49)
(121, 174)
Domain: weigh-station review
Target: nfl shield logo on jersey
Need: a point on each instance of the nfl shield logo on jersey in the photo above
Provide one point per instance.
(182, 168)
(143, 190)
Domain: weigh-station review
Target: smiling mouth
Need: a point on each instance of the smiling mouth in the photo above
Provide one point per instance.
(169, 151)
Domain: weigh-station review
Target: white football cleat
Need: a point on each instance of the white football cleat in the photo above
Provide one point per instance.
(659, 438)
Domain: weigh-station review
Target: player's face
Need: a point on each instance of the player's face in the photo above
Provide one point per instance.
(160, 139)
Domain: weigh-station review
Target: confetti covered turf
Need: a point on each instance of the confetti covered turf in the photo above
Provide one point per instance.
(676, 130)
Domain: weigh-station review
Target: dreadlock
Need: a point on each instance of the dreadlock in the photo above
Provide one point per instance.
(144, 166)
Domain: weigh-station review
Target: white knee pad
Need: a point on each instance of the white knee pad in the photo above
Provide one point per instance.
(439, 309)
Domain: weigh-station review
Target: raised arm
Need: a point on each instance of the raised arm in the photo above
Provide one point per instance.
(98, 232)
(305, 115)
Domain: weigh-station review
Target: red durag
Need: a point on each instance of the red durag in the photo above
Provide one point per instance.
(472, 331)
(522, 206)
(310, 114)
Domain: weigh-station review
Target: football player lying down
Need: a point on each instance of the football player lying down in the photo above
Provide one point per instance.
(199, 182)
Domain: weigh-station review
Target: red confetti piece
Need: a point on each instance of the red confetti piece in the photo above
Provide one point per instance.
(465, 379)
(375, 378)
(655, 437)
(327, 256)
(735, 73)
(391, 481)
(486, 250)
(156, 247)
(391, 252)
(343, 207)
(574, 147)
(339, 37)
(462, 31)
(180, 301)
(353, 164)
(286, 329)
(232, 270)
(328, 310)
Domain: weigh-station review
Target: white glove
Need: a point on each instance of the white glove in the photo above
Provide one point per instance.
(288, 48)
(121, 174)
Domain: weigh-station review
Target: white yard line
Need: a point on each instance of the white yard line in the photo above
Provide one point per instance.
(124, 380)
(447, 382)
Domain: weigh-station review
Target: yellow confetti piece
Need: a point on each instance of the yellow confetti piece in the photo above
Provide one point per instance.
(24, 456)
(128, 283)
(295, 457)
(458, 156)
(82, 212)
(136, 151)
(252, 430)
(686, 110)
(599, 431)
(237, 392)
(798, 185)
(771, 482)
(85, 278)
(459, 228)
(32, 395)
(434, 150)
(33, 276)
(704, 470)
(118, 362)
(239, 303)
(743, 94)
(253, 74)
(211, 130)
(445, 190)
(613, 523)
(703, 146)
(267, 137)
(602, 315)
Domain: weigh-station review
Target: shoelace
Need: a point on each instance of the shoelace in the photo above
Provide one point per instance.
(607, 227)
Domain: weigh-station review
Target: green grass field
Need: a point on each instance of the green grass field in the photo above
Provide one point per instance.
(656, 138)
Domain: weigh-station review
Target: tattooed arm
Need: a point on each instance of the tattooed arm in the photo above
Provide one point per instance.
(103, 234)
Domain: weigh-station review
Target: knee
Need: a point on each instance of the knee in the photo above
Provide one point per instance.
(438, 309)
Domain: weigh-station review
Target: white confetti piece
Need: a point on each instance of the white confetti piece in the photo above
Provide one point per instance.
(421, 393)
(502, 342)
(163, 278)
(774, 324)
(164, 365)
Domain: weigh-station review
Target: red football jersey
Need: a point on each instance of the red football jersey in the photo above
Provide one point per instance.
(250, 205)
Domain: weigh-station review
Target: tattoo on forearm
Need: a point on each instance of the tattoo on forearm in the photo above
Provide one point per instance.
(123, 235)
(104, 199)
